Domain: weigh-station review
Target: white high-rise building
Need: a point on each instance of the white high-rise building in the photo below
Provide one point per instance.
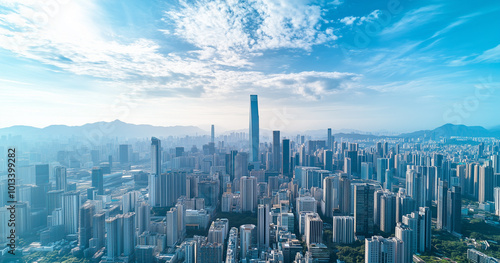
(306, 204)
(383, 250)
(497, 200)
(248, 191)
(313, 229)
(404, 233)
(247, 239)
(343, 229)
(172, 233)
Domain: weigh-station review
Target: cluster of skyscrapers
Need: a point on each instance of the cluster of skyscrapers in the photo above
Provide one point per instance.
(163, 201)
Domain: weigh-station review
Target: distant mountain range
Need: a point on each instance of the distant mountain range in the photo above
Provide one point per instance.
(451, 130)
(121, 129)
(115, 128)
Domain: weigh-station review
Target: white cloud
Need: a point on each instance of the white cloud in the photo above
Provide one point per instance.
(74, 39)
(348, 20)
(490, 55)
(236, 31)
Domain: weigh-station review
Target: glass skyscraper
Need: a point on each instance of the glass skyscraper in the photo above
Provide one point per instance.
(254, 129)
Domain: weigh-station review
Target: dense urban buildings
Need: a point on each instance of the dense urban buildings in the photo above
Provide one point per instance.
(252, 198)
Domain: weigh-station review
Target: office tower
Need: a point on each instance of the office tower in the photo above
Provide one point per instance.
(240, 166)
(248, 191)
(411, 220)
(209, 252)
(208, 190)
(496, 194)
(248, 238)
(124, 153)
(218, 231)
(155, 186)
(54, 200)
(385, 149)
(313, 229)
(42, 174)
(347, 166)
(366, 170)
(424, 229)
(254, 129)
(454, 213)
(181, 220)
(486, 184)
(404, 233)
(430, 184)
(382, 165)
(387, 212)
(389, 175)
(98, 230)
(344, 195)
(343, 229)
(415, 187)
(172, 234)
(110, 161)
(60, 175)
(473, 170)
(306, 204)
(330, 184)
(114, 237)
(383, 250)
(145, 254)
(212, 134)
(98, 180)
(128, 233)
(23, 218)
(155, 156)
(85, 225)
(71, 206)
(442, 205)
(172, 186)
(330, 138)
(264, 220)
(276, 151)
(404, 205)
(376, 207)
(285, 167)
(363, 209)
(328, 160)
(179, 151)
(143, 217)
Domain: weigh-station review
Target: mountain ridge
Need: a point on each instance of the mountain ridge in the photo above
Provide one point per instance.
(119, 128)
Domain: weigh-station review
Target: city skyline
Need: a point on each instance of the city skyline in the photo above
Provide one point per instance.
(400, 66)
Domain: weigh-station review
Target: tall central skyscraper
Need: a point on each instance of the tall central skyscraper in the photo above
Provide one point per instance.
(254, 129)
(212, 134)
(154, 177)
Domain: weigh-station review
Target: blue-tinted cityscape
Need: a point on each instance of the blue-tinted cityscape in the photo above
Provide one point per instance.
(262, 131)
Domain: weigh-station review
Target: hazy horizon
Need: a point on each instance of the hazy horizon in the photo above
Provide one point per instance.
(365, 66)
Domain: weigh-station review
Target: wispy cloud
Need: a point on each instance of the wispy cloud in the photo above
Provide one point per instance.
(490, 55)
(448, 28)
(412, 19)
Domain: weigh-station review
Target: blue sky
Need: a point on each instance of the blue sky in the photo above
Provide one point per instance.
(367, 65)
